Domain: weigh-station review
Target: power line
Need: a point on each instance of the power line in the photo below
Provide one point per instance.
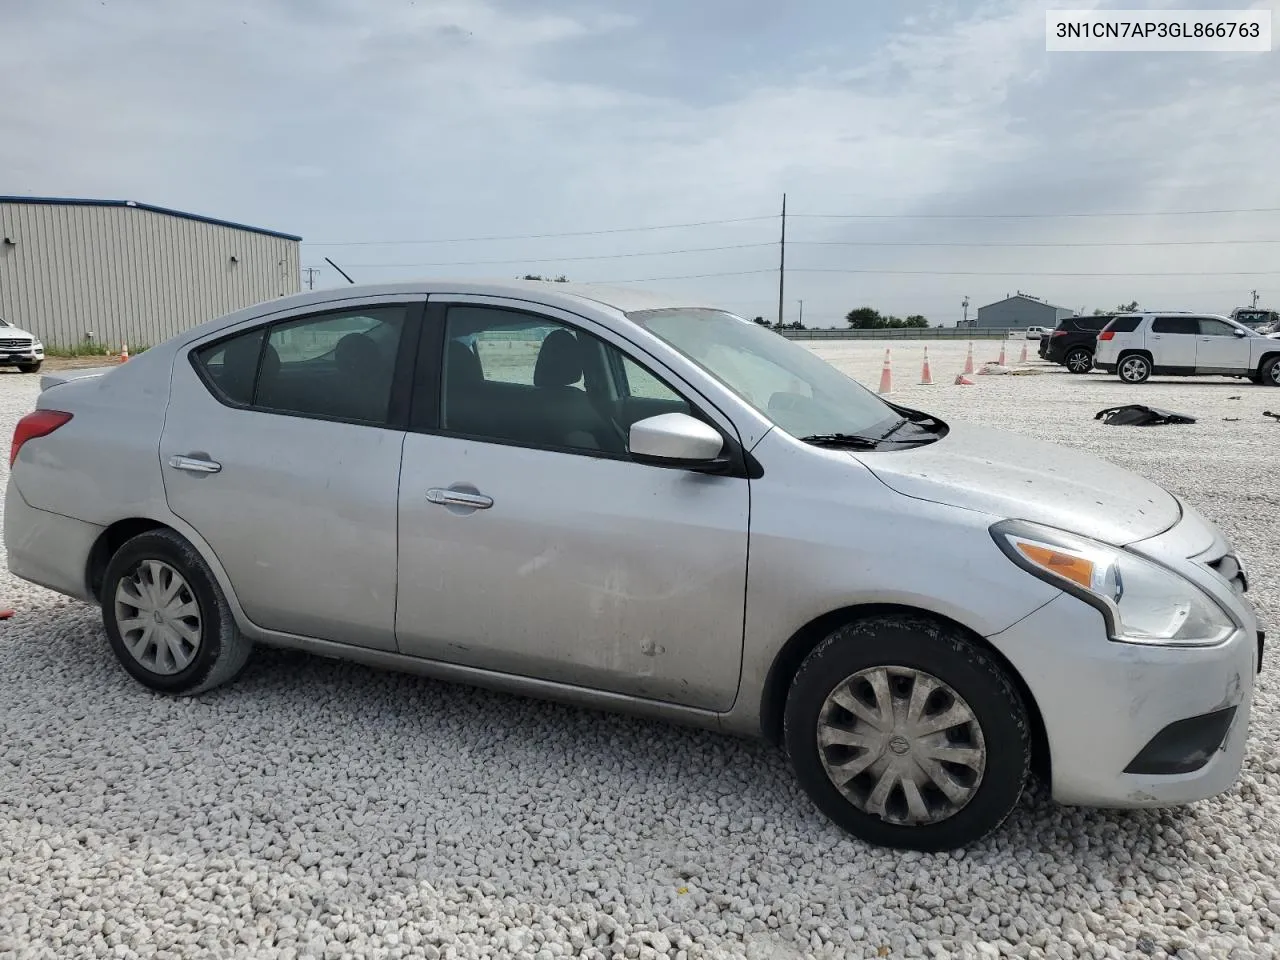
(1037, 243)
(1026, 216)
(535, 236)
(598, 256)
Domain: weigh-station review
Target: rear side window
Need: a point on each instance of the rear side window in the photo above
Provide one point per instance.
(1181, 325)
(337, 366)
(1124, 324)
(1096, 323)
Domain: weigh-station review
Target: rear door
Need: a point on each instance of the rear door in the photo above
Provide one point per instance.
(281, 447)
(1220, 349)
(1172, 342)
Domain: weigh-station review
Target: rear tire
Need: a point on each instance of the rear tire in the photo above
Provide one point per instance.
(1269, 375)
(869, 706)
(167, 619)
(1078, 360)
(1134, 368)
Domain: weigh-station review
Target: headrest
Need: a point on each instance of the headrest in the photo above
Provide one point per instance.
(559, 361)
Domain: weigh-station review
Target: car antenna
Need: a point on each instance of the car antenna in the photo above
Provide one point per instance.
(338, 268)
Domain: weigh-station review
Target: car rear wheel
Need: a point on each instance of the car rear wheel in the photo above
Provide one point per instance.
(1270, 373)
(167, 619)
(1134, 368)
(1079, 360)
(907, 734)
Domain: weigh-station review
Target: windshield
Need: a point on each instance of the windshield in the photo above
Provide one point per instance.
(799, 392)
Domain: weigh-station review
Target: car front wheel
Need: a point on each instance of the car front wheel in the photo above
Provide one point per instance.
(1270, 373)
(1079, 360)
(166, 617)
(29, 367)
(907, 734)
(1135, 369)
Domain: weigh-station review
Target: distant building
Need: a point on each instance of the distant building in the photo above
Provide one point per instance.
(114, 271)
(1021, 311)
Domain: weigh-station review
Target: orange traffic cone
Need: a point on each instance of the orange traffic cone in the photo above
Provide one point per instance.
(968, 360)
(886, 374)
(963, 381)
(926, 378)
(1022, 357)
(1001, 360)
(124, 352)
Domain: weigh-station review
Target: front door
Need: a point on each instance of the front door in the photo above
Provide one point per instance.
(279, 449)
(1172, 342)
(530, 542)
(1219, 349)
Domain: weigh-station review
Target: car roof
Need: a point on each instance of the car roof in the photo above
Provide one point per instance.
(618, 296)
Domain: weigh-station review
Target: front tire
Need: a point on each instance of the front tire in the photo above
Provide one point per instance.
(907, 734)
(1134, 368)
(1078, 360)
(29, 367)
(167, 619)
(1269, 375)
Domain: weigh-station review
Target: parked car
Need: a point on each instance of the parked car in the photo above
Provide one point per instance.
(1035, 333)
(1135, 346)
(20, 349)
(1072, 342)
(553, 489)
(1256, 318)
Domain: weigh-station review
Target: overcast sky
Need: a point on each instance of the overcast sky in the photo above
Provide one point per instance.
(379, 120)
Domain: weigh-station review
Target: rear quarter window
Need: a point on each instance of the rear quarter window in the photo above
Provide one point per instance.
(1124, 324)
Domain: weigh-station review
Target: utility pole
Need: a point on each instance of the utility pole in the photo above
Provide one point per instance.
(965, 303)
(801, 313)
(782, 259)
(311, 276)
(1254, 293)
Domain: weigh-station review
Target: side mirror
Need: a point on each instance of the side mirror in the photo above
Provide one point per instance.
(677, 440)
(1239, 333)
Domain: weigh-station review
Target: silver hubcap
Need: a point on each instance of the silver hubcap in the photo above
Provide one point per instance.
(1133, 369)
(1079, 361)
(1275, 373)
(158, 617)
(901, 745)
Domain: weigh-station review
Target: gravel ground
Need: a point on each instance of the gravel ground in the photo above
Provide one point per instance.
(316, 809)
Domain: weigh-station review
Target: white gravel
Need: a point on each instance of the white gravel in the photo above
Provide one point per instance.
(316, 809)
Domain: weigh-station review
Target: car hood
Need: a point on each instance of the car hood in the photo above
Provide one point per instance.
(1013, 477)
(16, 332)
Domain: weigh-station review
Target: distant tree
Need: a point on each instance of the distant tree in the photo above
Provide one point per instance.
(1128, 307)
(533, 276)
(762, 321)
(915, 320)
(865, 318)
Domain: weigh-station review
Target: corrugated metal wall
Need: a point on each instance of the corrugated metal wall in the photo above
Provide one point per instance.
(129, 274)
(1018, 313)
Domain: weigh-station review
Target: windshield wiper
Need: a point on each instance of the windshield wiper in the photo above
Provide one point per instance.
(894, 429)
(841, 440)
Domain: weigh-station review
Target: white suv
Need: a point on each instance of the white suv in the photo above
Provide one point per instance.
(1135, 346)
(19, 348)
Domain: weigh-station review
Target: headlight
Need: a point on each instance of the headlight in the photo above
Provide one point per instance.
(1142, 601)
(37, 345)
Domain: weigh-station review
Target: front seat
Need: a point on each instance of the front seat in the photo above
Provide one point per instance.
(364, 388)
(565, 414)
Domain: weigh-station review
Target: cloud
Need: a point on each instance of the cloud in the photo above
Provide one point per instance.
(351, 120)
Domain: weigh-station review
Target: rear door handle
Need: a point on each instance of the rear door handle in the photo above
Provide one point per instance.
(194, 464)
(459, 498)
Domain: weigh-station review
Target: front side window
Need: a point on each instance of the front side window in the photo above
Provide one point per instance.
(336, 365)
(1215, 328)
(518, 378)
(787, 383)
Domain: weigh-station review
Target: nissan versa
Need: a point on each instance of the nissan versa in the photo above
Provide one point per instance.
(645, 505)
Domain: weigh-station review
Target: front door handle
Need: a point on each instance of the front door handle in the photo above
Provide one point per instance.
(194, 464)
(459, 498)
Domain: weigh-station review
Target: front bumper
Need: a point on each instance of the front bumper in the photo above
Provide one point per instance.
(1108, 707)
(13, 358)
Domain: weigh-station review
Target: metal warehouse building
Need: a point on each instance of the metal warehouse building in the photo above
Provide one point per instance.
(116, 271)
(1021, 311)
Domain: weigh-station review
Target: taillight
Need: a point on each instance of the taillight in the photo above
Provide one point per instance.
(1059, 333)
(1107, 335)
(41, 423)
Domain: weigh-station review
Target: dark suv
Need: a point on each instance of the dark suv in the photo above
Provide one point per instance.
(1072, 342)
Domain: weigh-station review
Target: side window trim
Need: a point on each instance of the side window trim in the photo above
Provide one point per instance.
(430, 361)
(402, 375)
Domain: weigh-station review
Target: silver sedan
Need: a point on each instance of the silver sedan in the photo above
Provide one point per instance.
(648, 505)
